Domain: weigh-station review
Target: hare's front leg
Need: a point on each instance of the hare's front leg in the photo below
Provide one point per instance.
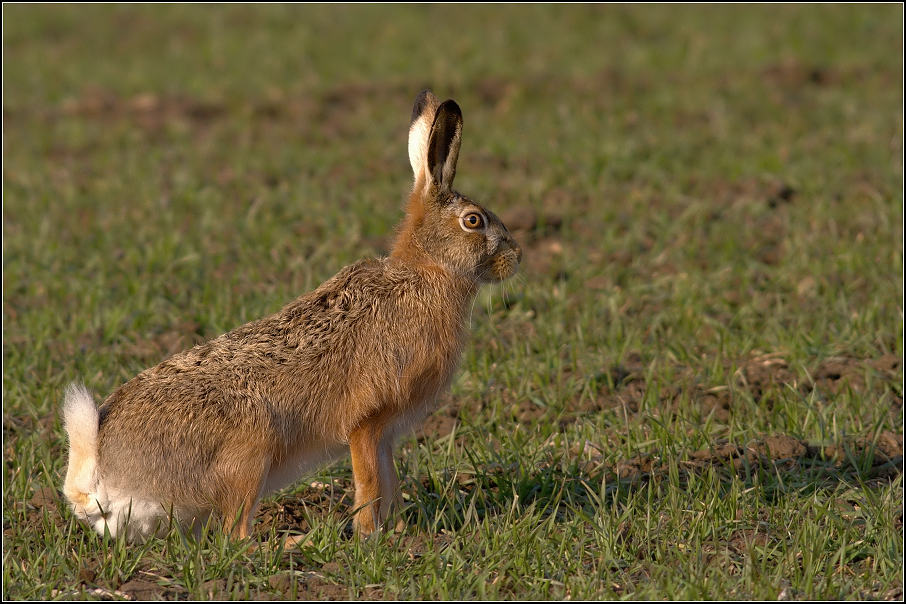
(376, 482)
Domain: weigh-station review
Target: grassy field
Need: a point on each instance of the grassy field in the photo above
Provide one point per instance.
(693, 388)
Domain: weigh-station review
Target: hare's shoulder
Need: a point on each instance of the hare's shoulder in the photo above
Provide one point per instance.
(357, 285)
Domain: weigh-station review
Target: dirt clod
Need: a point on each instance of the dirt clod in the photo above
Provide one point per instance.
(782, 194)
(45, 497)
(215, 589)
(763, 373)
(88, 572)
(883, 457)
(720, 450)
(743, 540)
(438, 424)
(779, 447)
(142, 590)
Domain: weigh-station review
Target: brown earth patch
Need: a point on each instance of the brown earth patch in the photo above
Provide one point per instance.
(792, 73)
(139, 589)
(743, 540)
(877, 459)
(439, 424)
(883, 457)
(635, 468)
(717, 402)
(496, 93)
(416, 545)
(45, 500)
(746, 199)
(307, 585)
(623, 385)
(884, 453)
(745, 191)
(542, 257)
(88, 570)
(837, 373)
(215, 589)
(149, 111)
(526, 411)
(288, 514)
(764, 372)
(445, 418)
(329, 110)
(759, 204)
(152, 111)
(146, 109)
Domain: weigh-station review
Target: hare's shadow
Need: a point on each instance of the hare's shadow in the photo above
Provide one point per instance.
(450, 501)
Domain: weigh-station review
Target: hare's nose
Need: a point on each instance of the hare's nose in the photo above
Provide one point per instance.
(516, 248)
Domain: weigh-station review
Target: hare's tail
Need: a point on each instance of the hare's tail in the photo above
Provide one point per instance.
(104, 507)
(81, 419)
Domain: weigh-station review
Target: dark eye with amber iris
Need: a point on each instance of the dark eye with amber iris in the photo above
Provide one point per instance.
(473, 220)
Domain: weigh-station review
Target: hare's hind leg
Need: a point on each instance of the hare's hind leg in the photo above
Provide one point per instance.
(242, 485)
(376, 482)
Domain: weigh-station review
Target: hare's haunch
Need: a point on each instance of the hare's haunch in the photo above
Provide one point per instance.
(354, 363)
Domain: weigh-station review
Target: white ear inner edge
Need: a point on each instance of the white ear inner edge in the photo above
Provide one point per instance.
(418, 146)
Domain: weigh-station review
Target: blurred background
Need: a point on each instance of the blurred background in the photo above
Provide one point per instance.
(710, 200)
(688, 139)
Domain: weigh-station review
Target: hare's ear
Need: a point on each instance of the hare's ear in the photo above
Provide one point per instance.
(443, 145)
(419, 128)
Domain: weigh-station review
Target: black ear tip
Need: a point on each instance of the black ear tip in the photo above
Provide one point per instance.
(450, 106)
(448, 113)
(421, 101)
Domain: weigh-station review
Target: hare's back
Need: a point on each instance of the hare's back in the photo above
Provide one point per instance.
(262, 378)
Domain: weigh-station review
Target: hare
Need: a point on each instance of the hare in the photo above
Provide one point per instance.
(209, 431)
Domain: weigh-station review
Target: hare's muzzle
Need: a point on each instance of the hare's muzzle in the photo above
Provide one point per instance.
(518, 251)
(507, 259)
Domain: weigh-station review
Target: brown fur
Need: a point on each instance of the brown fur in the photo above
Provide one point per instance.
(353, 363)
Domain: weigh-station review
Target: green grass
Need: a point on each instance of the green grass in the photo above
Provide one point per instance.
(713, 253)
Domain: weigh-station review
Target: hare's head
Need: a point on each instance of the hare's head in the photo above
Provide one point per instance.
(442, 225)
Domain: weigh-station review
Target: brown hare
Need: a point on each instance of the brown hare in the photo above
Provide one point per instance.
(354, 363)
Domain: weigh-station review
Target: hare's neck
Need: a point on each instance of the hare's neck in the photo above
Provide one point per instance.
(409, 253)
(406, 246)
(452, 290)
(451, 297)
(449, 294)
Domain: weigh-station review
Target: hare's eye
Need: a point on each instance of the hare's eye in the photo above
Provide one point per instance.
(473, 220)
